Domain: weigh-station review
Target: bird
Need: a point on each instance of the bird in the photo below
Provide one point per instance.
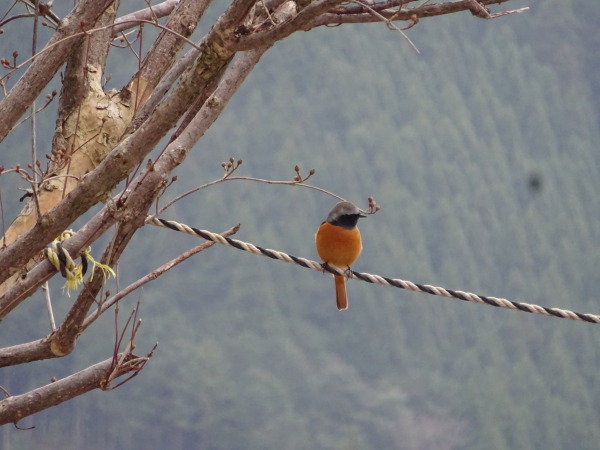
(338, 244)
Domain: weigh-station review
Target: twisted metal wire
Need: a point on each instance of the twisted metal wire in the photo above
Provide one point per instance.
(375, 279)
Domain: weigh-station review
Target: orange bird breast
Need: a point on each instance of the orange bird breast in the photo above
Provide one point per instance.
(338, 246)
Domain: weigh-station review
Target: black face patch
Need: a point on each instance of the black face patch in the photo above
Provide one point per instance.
(347, 221)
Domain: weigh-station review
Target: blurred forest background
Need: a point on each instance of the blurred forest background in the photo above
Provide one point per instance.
(483, 152)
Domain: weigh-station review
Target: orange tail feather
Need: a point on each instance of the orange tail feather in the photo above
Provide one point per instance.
(340, 292)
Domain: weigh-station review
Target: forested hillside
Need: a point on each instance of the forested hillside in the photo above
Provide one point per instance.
(482, 151)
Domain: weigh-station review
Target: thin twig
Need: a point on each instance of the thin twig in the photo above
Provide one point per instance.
(34, 184)
(260, 180)
(388, 23)
(505, 13)
(3, 224)
(46, 290)
(94, 30)
(150, 277)
(49, 99)
(3, 18)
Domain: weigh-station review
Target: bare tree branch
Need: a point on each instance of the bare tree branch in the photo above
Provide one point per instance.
(44, 349)
(427, 10)
(134, 209)
(145, 189)
(160, 10)
(76, 150)
(102, 138)
(183, 20)
(93, 52)
(26, 284)
(41, 71)
(350, 8)
(23, 353)
(286, 27)
(16, 407)
(149, 277)
(132, 149)
(165, 84)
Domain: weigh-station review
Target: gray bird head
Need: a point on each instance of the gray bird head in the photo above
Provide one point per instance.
(345, 215)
